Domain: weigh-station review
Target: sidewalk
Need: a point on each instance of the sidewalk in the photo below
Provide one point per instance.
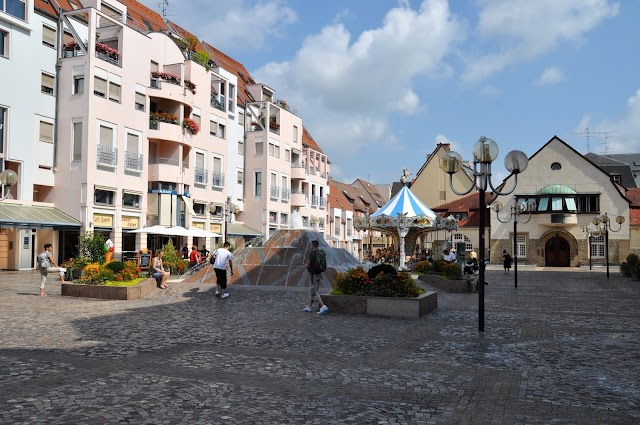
(561, 348)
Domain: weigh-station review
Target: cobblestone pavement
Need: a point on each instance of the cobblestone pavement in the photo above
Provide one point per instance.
(562, 348)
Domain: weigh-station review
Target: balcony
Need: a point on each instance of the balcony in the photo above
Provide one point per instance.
(315, 200)
(200, 176)
(133, 161)
(164, 169)
(107, 54)
(298, 199)
(275, 192)
(164, 127)
(215, 103)
(323, 202)
(298, 172)
(285, 194)
(217, 179)
(557, 219)
(168, 86)
(107, 156)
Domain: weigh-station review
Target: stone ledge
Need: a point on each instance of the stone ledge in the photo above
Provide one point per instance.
(382, 306)
(136, 292)
(446, 285)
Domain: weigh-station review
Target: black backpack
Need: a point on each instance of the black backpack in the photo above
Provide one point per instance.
(319, 262)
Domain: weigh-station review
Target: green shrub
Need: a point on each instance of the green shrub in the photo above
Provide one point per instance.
(91, 247)
(105, 275)
(632, 259)
(115, 266)
(451, 271)
(173, 260)
(352, 282)
(422, 267)
(381, 268)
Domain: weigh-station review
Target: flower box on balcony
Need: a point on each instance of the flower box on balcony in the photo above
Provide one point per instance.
(155, 117)
(190, 126)
(191, 86)
(107, 51)
(171, 78)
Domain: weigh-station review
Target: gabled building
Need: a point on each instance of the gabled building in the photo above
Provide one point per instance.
(632, 160)
(620, 172)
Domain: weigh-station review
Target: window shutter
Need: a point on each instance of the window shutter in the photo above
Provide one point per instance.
(47, 81)
(114, 92)
(132, 143)
(100, 87)
(49, 36)
(106, 136)
(196, 118)
(46, 132)
(217, 165)
(213, 128)
(199, 160)
(141, 99)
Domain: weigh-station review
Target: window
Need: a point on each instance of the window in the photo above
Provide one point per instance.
(199, 170)
(217, 176)
(295, 134)
(106, 197)
(47, 83)
(115, 88)
(3, 120)
(274, 150)
(213, 127)
(199, 208)
(106, 152)
(597, 246)
(284, 218)
(131, 200)
(140, 101)
(78, 84)
(459, 237)
(232, 95)
(240, 177)
(240, 147)
(77, 140)
(196, 117)
(556, 166)
(4, 44)
(556, 204)
(100, 87)
(221, 130)
(543, 204)
(257, 189)
(273, 217)
(46, 132)
(521, 246)
(16, 8)
(132, 158)
(259, 148)
(48, 36)
(617, 178)
(287, 155)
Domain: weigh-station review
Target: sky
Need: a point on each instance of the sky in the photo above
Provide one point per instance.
(379, 83)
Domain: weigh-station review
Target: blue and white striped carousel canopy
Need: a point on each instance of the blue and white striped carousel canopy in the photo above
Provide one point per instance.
(405, 202)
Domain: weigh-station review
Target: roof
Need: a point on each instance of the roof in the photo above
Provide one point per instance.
(370, 192)
(467, 204)
(307, 141)
(347, 197)
(405, 202)
(556, 189)
(32, 216)
(614, 167)
(633, 195)
(234, 67)
(241, 229)
(199, 47)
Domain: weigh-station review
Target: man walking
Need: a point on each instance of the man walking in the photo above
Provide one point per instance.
(316, 264)
(46, 264)
(221, 256)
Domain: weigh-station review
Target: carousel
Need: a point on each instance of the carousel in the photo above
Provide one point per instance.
(406, 217)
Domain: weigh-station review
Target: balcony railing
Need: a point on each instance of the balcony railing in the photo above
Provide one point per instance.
(275, 192)
(200, 175)
(315, 200)
(285, 194)
(153, 125)
(107, 155)
(133, 161)
(162, 160)
(323, 202)
(297, 164)
(217, 179)
(312, 171)
(112, 58)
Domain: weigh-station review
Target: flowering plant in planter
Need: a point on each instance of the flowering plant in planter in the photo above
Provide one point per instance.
(103, 48)
(163, 117)
(172, 78)
(191, 86)
(72, 45)
(191, 126)
(357, 282)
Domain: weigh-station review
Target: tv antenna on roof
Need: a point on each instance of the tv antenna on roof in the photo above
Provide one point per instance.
(164, 4)
(588, 134)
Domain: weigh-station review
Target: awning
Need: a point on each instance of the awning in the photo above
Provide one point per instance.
(189, 203)
(240, 229)
(35, 217)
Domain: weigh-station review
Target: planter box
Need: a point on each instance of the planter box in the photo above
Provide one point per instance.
(382, 306)
(136, 292)
(446, 285)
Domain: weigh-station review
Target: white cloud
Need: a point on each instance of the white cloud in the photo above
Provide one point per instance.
(346, 87)
(520, 30)
(623, 132)
(550, 76)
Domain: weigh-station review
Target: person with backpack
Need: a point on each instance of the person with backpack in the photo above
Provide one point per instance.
(219, 260)
(316, 264)
(47, 265)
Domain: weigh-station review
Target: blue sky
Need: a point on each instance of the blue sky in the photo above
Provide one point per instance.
(379, 83)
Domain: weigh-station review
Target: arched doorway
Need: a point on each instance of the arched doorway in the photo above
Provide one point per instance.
(557, 252)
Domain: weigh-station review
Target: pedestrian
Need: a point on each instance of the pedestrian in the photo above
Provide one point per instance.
(185, 252)
(158, 272)
(473, 254)
(507, 261)
(221, 256)
(46, 264)
(194, 257)
(204, 252)
(313, 266)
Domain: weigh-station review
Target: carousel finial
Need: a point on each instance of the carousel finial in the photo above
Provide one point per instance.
(405, 174)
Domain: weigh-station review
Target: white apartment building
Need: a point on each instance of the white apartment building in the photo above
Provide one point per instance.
(144, 126)
(28, 219)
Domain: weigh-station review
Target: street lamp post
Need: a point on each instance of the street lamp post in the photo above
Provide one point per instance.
(603, 224)
(485, 151)
(587, 232)
(516, 209)
(7, 178)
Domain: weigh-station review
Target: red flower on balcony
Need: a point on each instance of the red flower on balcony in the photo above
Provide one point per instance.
(191, 126)
(191, 86)
(163, 117)
(172, 78)
(111, 52)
